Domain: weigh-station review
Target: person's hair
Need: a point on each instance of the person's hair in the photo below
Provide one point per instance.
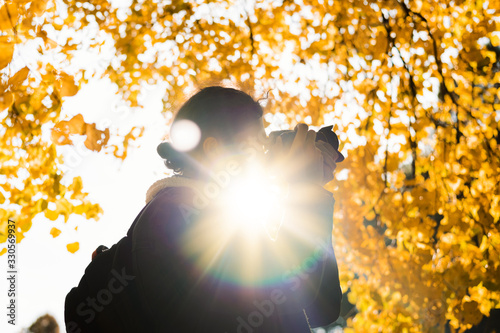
(227, 114)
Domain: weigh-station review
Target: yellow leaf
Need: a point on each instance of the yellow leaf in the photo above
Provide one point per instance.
(4, 250)
(95, 138)
(18, 78)
(5, 101)
(76, 186)
(8, 16)
(75, 125)
(370, 215)
(67, 86)
(51, 215)
(392, 162)
(38, 7)
(49, 43)
(62, 130)
(6, 50)
(55, 232)
(73, 247)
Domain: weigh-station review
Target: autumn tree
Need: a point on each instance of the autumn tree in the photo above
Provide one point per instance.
(411, 86)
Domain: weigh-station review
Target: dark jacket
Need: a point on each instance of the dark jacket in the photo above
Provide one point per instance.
(190, 275)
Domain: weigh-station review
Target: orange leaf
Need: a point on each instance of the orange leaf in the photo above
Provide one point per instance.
(9, 16)
(59, 138)
(67, 86)
(5, 100)
(38, 7)
(95, 138)
(49, 43)
(75, 125)
(73, 247)
(18, 78)
(6, 51)
(62, 130)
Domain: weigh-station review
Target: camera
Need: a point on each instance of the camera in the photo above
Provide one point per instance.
(325, 134)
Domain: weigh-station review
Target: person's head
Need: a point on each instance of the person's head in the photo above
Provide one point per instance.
(227, 119)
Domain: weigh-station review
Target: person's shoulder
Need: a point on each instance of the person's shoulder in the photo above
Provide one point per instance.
(171, 196)
(162, 214)
(171, 188)
(172, 192)
(167, 198)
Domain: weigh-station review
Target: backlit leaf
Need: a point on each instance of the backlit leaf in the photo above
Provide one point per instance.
(18, 78)
(73, 247)
(55, 232)
(6, 50)
(67, 85)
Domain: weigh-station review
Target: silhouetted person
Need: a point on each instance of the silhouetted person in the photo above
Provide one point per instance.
(192, 262)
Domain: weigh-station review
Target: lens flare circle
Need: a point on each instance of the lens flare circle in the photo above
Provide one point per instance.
(185, 135)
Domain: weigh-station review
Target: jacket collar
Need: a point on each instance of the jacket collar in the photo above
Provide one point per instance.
(174, 181)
